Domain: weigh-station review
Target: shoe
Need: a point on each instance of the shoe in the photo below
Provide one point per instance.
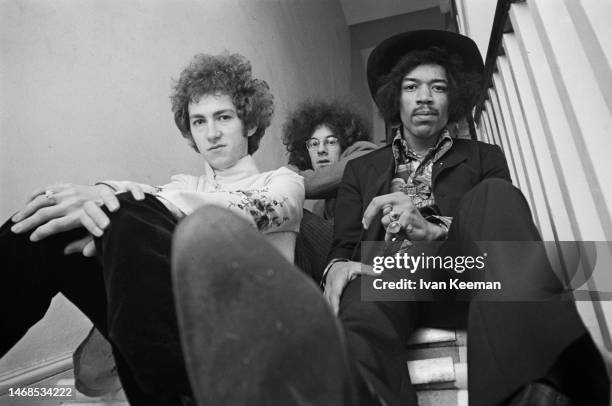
(540, 394)
(255, 330)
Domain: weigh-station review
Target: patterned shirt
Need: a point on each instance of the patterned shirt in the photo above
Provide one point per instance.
(413, 175)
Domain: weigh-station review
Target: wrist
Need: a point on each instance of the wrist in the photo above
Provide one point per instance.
(436, 232)
(103, 185)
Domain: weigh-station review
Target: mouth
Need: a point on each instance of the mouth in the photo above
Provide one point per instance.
(214, 147)
(323, 162)
(425, 113)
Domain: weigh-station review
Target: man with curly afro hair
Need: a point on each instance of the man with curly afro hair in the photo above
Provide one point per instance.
(222, 111)
(321, 137)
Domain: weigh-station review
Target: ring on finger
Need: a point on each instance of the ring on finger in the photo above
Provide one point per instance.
(394, 216)
(49, 193)
(394, 227)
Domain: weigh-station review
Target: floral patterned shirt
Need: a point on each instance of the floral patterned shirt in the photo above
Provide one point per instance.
(413, 175)
(271, 201)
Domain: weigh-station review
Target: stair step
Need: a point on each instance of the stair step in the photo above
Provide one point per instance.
(436, 336)
(448, 397)
(441, 372)
(458, 354)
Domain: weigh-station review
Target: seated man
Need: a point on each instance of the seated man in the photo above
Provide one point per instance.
(223, 113)
(424, 187)
(321, 138)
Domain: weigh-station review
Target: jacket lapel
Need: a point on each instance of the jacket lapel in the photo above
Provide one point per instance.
(452, 158)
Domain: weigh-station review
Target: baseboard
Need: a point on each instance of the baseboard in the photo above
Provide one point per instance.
(24, 377)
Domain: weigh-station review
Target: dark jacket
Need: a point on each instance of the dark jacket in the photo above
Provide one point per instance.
(465, 165)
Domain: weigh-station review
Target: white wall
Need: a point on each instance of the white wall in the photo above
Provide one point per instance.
(85, 88)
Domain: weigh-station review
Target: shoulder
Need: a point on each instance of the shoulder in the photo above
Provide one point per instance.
(282, 176)
(475, 147)
(359, 147)
(375, 155)
(184, 179)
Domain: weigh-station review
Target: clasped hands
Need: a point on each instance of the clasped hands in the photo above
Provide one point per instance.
(64, 207)
(398, 214)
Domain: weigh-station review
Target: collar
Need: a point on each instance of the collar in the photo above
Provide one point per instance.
(244, 168)
(402, 150)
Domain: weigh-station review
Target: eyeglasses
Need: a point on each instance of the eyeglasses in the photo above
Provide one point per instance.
(329, 142)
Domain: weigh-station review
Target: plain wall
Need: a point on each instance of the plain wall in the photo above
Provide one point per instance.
(85, 86)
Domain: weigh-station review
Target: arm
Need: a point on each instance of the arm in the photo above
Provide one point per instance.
(272, 206)
(347, 222)
(322, 183)
(494, 163)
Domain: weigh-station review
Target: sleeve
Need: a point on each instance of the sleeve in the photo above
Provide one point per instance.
(322, 183)
(120, 186)
(274, 207)
(494, 163)
(347, 221)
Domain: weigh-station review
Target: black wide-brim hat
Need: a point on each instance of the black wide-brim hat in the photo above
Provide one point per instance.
(388, 53)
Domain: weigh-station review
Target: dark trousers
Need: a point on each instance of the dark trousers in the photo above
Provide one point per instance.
(126, 292)
(509, 343)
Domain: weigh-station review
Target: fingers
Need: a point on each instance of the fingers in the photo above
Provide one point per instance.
(56, 225)
(332, 295)
(374, 207)
(90, 249)
(33, 205)
(397, 201)
(109, 199)
(85, 245)
(335, 283)
(39, 216)
(94, 219)
(136, 191)
(77, 246)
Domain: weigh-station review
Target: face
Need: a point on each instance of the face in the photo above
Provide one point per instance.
(323, 147)
(424, 102)
(218, 131)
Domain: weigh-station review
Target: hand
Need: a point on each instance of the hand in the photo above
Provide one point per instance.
(85, 246)
(61, 207)
(398, 207)
(338, 276)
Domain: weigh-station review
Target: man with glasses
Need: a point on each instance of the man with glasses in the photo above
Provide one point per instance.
(321, 137)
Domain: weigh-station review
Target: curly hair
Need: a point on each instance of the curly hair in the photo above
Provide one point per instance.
(340, 117)
(464, 87)
(224, 74)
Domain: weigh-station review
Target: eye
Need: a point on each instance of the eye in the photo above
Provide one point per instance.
(332, 141)
(198, 122)
(439, 88)
(312, 143)
(409, 86)
(225, 117)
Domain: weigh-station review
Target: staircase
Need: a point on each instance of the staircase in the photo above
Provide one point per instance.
(437, 364)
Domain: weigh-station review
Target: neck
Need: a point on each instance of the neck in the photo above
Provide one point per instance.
(420, 145)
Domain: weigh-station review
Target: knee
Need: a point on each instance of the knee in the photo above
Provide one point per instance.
(496, 185)
(497, 192)
(127, 220)
(208, 227)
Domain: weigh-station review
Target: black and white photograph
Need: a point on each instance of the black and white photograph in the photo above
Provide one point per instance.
(305, 202)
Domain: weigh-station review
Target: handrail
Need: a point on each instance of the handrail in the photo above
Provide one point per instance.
(501, 25)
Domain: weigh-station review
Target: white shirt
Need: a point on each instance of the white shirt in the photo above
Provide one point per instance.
(271, 201)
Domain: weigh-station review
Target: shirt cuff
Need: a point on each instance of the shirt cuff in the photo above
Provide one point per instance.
(328, 267)
(113, 187)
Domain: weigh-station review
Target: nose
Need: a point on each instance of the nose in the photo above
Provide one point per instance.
(424, 95)
(322, 150)
(213, 132)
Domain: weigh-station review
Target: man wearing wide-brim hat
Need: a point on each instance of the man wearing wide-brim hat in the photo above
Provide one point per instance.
(426, 186)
